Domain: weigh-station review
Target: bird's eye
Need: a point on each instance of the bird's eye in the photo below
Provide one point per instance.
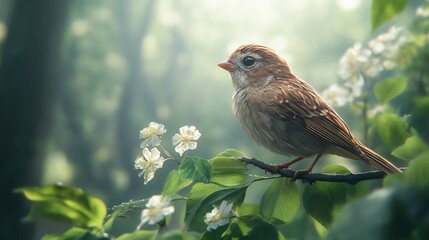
(248, 61)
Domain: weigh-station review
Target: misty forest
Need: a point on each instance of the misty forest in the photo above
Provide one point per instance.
(116, 120)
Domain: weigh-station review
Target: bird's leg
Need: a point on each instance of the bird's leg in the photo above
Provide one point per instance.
(309, 169)
(287, 164)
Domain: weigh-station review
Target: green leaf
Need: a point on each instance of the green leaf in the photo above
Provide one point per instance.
(75, 234)
(420, 117)
(198, 192)
(252, 227)
(248, 209)
(195, 168)
(390, 88)
(180, 235)
(264, 231)
(337, 169)
(217, 233)
(61, 203)
(174, 183)
(231, 153)
(384, 10)
(323, 198)
(280, 201)
(228, 171)
(137, 235)
(398, 212)
(227, 164)
(200, 202)
(391, 128)
(412, 147)
(417, 172)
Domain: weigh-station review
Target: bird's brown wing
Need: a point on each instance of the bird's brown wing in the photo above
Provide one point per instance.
(309, 112)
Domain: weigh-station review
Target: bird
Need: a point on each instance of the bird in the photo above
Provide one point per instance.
(286, 115)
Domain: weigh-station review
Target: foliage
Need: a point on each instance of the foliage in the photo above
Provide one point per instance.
(63, 203)
(214, 190)
(329, 196)
(398, 211)
(384, 10)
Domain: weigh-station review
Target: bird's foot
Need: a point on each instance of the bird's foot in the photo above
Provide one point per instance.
(300, 173)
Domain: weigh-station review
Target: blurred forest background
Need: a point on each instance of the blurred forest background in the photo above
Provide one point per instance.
(79, 79)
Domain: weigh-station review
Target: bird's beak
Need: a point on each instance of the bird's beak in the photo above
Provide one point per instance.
(227, 66)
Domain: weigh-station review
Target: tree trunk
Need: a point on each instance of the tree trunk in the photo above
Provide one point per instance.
(29, 76)
(131, 48)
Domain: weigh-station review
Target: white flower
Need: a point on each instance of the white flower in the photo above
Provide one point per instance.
(388, 45)
(156, 210)
(351, 62)
(186, 139)
(372, 67)
(149, 162)
(219, 216)
(384, 40)
(422, 12)
(337, 95)
(151, 135)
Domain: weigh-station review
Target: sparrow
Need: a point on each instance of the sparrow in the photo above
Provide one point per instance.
(286, 115)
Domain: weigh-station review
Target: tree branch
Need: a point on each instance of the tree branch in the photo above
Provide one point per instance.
(351, 178)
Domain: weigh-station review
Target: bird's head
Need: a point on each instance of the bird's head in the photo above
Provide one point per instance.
(255, 66)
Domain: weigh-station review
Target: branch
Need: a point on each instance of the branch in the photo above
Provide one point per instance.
(351, 178)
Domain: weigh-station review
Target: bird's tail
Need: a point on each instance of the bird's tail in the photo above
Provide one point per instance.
(378, 161)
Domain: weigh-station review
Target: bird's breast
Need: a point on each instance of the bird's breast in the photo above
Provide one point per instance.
(256, 120)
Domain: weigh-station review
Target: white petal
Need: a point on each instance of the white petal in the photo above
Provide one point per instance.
(144, 143)
(155, 125)
(183, 130)
(177, 138)
(223, 221)
(180, 148)
(208, 218)
(143, 219)
(212, 226)
(154, 201)
(146, 154)
(159, 128)
(142, 133)
(155, 153)
(148, 175)
(223, 206)
(192, 128)
(145, 133)
(157, 217)
(197, 135)
(153, 141)
(168, 210)
(138, 163)
(190, 145)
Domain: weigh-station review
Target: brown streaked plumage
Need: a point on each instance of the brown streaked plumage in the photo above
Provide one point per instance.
(286, 115)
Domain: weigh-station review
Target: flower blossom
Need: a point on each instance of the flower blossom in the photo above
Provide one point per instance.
(156, 210)
(422, 12)
(362, 62)
(388, 45)
(351, 62)
(151, 135)
(219, 216)
(149, 162)
(186, 139)
(337, 95)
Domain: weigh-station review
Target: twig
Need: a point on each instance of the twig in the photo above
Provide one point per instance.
(351, 178)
